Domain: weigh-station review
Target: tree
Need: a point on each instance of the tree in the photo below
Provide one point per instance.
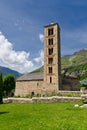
(84, 82)
(9, 84)
(1, 89)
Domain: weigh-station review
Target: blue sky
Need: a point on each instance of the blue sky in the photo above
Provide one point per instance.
(21, 30)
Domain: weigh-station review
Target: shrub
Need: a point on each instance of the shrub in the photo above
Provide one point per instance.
(85, 101)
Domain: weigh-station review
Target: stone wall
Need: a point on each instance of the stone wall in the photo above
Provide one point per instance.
(25, 88)
(70, 84)
(43, 99)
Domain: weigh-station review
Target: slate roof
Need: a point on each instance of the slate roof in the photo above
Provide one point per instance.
(31, 77)
(38, 76)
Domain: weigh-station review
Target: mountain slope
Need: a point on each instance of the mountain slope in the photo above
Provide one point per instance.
(41, 69)
(76, 59)
(73, 65)
(5, 71)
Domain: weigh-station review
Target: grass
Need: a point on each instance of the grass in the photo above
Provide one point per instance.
(65, 62)
(70, 94)
(42, 116)
(41, 69)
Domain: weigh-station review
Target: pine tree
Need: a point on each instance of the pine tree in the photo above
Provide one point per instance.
(1, 89)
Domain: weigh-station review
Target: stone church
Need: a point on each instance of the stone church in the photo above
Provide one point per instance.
(50, 81)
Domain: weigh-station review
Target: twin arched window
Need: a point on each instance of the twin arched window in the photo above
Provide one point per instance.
(50, 70)
(50, 60)
(50, 51)
(50, 41)
(50, 31)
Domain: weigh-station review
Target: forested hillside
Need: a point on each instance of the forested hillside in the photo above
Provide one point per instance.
(5, 71)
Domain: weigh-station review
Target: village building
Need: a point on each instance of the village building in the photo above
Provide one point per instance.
(50, 81)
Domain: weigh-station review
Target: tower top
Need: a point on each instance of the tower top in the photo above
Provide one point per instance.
(52, 24)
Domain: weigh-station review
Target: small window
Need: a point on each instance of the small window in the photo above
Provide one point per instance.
(37, 84)
(50, 51)
(50, 70)
(50, 60)
(50, 31)
(50, 41)
(50, 79)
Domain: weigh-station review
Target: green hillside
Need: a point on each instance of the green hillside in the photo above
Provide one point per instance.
(76, 64)
(38, 70)
(75, 59)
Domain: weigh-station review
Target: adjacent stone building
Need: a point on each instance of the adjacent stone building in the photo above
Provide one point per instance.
(49, 81)
(29, 84)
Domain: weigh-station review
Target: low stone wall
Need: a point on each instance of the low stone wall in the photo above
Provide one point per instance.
(42, 99)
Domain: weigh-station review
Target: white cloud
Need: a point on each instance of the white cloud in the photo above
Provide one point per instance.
(17, 60)
(40, 58)
(41, 37)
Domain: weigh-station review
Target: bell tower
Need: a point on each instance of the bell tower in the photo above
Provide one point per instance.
(52, 57)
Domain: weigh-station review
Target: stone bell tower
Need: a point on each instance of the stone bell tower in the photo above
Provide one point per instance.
(52, 58)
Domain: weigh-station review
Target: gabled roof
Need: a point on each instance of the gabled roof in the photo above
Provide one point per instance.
(31, 77)
(38, 76)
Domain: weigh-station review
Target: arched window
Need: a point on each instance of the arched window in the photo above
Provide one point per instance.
(50, 31)
(50, 41)
(50, 70)
(50, 79)
(50, 60)
(50, 51)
